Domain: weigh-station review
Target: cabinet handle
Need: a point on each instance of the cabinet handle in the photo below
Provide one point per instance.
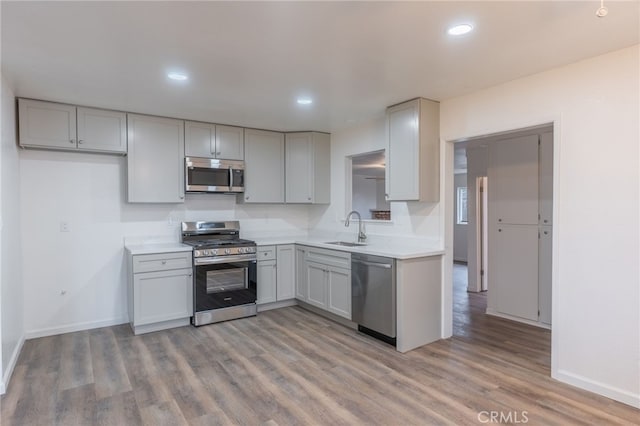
(164, 262)
(72, 141)
(182, 197)
(217, 153)
(499, 230)
(546, 232)
(309, 198)
(499, 220)
(80, 141)
(545, 221)
(246, 198)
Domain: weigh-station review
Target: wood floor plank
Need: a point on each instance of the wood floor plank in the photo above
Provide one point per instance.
(292, 367)
(109, 372)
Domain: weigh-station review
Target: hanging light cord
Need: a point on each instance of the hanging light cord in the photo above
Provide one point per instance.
(602, 11)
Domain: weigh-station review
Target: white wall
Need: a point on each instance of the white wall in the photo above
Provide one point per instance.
(411, 219)
(459, 230)
(594, 105)
(11, 293)
(77, 280)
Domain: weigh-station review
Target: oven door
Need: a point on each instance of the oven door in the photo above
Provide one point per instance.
(221, 285)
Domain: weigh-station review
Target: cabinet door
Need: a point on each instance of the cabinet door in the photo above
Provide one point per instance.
(266, 281)
(299, 167)
(403, 160)
(155, 161)
(317, 290)
(47, 124)
(199, 139)
(339, 286)
(302, 282)
(102, 130)
(546, 178)
(544, 277)
(229, 142)
(286, 270)
(513, 181)
(513, 269)
(264, 166)
(162, 296)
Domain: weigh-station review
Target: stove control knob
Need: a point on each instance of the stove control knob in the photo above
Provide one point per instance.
(196, 253)
(214, 252)
(242, 250)
(227, 251)
(205, 252)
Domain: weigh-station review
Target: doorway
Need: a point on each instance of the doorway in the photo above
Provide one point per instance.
(509, 226)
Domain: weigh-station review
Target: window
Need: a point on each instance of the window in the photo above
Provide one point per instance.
(462, 205)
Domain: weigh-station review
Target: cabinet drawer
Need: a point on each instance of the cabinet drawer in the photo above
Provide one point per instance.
(266, 253)
(337, 258)
(161, 262)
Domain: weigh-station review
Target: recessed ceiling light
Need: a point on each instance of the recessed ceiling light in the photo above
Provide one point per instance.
(460, 29)
(304, 101)
(178, 76)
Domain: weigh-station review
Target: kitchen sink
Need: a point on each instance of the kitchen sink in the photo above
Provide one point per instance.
(346, 243)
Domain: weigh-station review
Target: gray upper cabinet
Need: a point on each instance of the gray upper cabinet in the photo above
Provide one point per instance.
(52, 125)
(413, 151)
(307, 168)
(155, 163)
(264, 167)
(213, 141)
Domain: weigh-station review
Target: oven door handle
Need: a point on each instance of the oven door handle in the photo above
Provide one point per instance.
(224, 259)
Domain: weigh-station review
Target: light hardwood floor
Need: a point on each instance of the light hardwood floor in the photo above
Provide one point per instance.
(290, 366)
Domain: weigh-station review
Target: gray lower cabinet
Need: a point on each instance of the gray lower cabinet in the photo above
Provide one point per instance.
(155, 161)
(276, 273)
(160, 291)
(326, 280)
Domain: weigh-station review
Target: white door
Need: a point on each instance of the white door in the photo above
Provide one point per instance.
(317, 292)
(229, 142)
(513, 180)
(264, 166)
(47, 124)
(339, 287)
(155, 161)
(299, 167)
(199, 139)
(102, 130)
(513, 263)
(546, 178)
(267, 282)
(286, 270)
(403, 152)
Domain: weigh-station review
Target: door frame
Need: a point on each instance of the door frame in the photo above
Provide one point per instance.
(447, 164)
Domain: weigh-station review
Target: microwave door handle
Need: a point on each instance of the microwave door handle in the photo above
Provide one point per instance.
(230, 177)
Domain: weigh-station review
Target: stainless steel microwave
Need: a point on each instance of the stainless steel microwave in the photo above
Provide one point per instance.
(213, 175)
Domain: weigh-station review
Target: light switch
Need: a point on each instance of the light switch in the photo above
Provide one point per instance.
(64, 227)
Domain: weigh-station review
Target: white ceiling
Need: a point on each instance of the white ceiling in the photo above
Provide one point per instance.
(248, 61)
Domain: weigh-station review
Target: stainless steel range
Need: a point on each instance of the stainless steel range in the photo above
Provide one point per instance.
(224, 269)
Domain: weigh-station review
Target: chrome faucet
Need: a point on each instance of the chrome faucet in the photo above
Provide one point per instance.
(362, 237)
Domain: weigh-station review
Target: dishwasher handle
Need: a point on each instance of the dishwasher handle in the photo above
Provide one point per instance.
(373, 264)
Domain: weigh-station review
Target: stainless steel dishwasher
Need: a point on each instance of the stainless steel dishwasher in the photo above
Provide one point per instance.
(373, 296)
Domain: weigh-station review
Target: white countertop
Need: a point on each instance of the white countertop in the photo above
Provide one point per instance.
(398, 248)
(153, 248)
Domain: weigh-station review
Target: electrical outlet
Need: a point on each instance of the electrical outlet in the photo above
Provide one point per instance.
(64, 227)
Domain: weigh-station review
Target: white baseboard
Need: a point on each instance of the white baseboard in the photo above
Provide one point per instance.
(518, 319)
(603, 389)
(12, 365)
(70, 328)
(277, 305)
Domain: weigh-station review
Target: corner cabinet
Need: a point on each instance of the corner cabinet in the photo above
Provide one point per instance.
(213, 141)
(160, 291)
(276, 273)
(155, 162)
(264, 167)
(413, 151)
(307, 168)
(50, 125)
